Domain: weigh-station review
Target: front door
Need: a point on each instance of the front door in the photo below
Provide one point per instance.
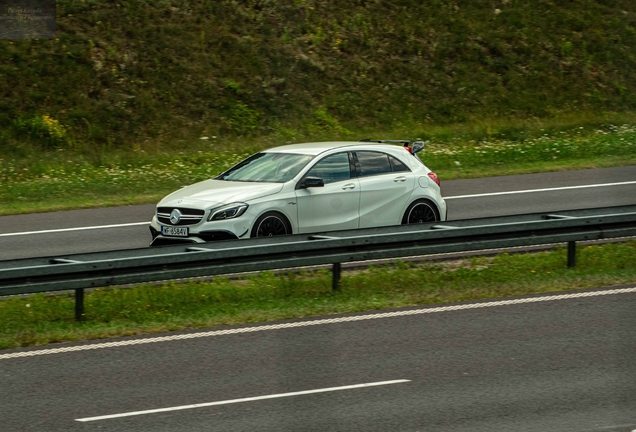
(333, 206)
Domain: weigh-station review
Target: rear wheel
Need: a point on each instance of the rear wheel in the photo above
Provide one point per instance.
(271, 224)
(420, 211)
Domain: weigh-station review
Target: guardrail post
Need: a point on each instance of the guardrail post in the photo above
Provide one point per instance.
(335, 272)
(79, 304)
(571, 254)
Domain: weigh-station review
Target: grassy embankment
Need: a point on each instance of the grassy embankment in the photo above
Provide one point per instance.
(42, 319)
(53, 184)
(112, 111)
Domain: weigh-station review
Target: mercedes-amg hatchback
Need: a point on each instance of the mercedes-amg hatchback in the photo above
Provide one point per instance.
(304, 188)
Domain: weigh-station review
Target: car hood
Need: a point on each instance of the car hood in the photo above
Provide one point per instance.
(210, 193)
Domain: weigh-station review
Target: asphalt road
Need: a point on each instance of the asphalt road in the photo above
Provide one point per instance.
(559, 364)
(60, 233)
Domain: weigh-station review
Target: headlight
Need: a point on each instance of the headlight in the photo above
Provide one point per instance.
(228, 211)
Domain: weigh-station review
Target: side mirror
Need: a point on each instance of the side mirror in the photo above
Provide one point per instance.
(309, 182)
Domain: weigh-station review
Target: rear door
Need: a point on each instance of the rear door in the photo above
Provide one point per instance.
(334, 206)
(385, 186)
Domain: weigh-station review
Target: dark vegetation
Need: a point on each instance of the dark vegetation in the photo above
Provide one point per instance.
(141, 73)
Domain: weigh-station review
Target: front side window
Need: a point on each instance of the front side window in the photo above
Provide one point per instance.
(267, 167)
(332, 168)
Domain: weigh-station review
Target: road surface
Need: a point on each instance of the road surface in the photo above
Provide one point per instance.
(538, 363)
(95, 230)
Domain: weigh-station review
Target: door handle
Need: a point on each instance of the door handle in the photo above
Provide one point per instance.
(399, 179)
(349, 186)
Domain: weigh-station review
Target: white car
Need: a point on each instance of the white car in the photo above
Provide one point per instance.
(304, 188)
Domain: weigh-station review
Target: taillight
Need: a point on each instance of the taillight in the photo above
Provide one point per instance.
(434, 177)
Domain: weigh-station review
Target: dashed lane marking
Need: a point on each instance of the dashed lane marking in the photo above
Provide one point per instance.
(248, 399)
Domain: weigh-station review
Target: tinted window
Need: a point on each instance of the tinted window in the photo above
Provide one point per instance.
(332, 168)
(397, 165)
(373, 163)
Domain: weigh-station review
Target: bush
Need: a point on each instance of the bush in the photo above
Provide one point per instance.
(43, 129)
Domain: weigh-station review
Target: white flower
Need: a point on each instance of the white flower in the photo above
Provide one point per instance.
(204, 138)
(458, 163)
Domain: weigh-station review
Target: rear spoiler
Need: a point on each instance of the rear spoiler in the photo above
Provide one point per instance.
(412, 146)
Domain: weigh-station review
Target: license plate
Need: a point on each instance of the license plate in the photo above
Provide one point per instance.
(174, 231)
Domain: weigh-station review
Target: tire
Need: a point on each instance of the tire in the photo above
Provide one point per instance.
(420, 211)
(271, 224)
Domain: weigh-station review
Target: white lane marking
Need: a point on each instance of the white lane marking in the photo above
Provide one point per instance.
(539, 190)
(74, 229)
(248, 399)
(446, 198)
(314, 322)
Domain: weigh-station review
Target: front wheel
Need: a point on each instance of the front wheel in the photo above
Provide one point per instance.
(271, 224)
(420, 211)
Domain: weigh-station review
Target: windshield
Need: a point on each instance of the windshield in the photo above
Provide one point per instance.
(267, 167)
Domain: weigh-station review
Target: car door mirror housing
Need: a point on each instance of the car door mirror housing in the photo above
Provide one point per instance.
(309, 182)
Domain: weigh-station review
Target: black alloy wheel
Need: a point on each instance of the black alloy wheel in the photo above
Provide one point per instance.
(420, 212)
(271, 224)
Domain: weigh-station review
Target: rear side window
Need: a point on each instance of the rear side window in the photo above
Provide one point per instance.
(332, 168)
(373, 163)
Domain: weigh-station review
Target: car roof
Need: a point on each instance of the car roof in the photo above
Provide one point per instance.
(317, 148)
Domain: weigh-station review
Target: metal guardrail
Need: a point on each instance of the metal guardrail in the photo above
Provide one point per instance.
(99, 269)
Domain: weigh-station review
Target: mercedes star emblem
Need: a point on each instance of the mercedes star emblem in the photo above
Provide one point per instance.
(175, 216)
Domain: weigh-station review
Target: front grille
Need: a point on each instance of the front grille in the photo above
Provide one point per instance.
(188, 216)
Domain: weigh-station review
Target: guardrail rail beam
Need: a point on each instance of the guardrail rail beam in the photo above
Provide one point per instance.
(81, 271)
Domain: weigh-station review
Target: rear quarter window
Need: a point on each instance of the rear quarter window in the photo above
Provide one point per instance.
(397, 165)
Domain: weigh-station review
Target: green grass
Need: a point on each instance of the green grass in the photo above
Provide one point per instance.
(57, 180)
(42, 319)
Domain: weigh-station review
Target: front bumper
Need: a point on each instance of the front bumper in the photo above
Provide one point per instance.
(231, 229)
